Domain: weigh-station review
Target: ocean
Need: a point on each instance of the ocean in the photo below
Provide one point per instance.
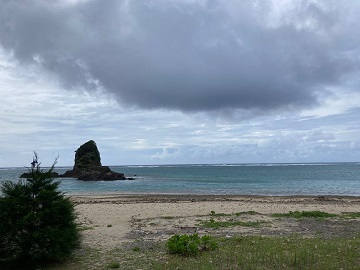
(219, 179)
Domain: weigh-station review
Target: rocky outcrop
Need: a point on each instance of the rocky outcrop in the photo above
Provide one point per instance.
(88, 166)
(94, 174)
(87, 156)
(29, 175)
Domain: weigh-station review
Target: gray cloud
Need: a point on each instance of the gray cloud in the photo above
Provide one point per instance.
(190, 55)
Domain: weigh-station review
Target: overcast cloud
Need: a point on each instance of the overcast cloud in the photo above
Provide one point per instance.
(181, 81)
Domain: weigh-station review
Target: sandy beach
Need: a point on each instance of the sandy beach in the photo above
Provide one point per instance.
(109, 221)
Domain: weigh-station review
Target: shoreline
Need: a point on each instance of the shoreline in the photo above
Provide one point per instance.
(168, 198)
(115, 219)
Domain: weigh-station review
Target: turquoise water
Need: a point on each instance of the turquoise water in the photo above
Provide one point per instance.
(232, 179)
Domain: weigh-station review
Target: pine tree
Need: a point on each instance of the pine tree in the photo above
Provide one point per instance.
(37, 222)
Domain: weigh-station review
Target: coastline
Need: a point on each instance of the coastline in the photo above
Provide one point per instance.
(202, 196)
(115, 219)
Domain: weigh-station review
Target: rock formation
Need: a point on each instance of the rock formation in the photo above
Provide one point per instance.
(88, 165)
(87, 156)
(29, 175)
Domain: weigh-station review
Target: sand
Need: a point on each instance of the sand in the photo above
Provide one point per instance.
(112, 220)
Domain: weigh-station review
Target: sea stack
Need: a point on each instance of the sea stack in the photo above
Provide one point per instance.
(88, 166)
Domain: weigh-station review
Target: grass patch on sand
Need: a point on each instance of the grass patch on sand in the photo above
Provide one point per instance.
(239, 252)
(230, 223)
(247, 252)
(305, 214)
(256, 252)
(213, 214)
(85, 228)
(247, 213)
(316, 214)
(113, 265)
(351, 215)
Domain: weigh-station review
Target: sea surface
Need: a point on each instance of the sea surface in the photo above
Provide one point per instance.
(219, 179)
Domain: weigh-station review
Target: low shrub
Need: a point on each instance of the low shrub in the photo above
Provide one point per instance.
(190, 245)
(136, 249)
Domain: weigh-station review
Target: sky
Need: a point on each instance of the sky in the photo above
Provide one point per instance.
(180, 81)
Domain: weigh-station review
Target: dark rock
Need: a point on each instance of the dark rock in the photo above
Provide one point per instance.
(88, 166)
(87, 156)
(99, 173)
(29, 175)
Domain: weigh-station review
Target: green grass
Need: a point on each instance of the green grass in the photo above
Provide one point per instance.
(256, 252)
(351, 215)
(248, 252)
(224, 224)
(113, 265)
(305, 214)
(85, 228)
(247, 213)
(213, 214)
(315, 214)
(229, 223)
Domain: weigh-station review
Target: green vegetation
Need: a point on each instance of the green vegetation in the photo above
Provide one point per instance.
(85, 228)
(136, 249)
(351, 215)
(246, 213)
(305, 214)
(87, 156)
(37, 223)
(241, 252)
(113, 265)
(316, 214)
(248, 252)
(212, 213)
(256, 252)
(231, 223)
(190, 245)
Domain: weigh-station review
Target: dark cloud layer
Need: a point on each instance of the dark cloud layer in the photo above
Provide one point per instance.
(190, 55)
